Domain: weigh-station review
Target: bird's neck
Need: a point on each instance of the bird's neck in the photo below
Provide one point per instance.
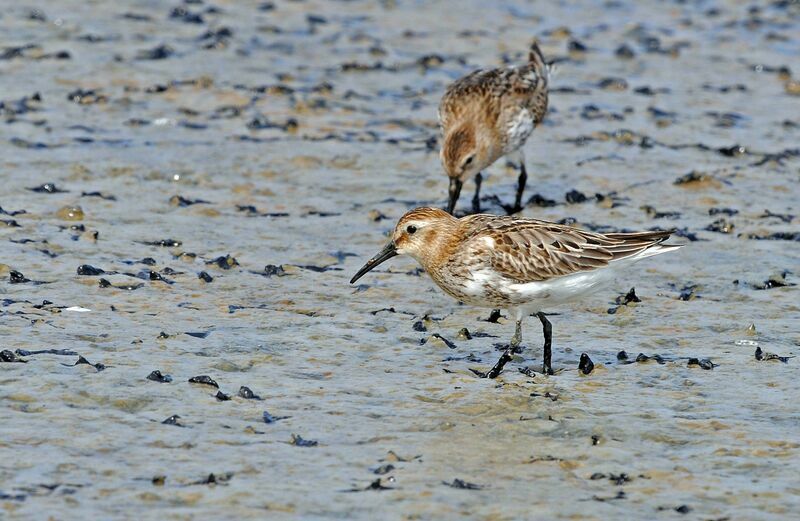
(440, 245)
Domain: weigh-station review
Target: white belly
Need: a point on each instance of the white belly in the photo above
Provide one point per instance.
(487, 288)
(518, 130)
(569, 288)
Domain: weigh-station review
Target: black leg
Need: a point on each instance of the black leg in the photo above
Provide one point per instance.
(507, 354)
(523, 178)
(476, 200)
(547, 330)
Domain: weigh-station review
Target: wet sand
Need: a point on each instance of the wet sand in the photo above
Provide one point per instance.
(229, 166)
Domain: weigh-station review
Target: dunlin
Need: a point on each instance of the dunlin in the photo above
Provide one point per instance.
(489, 114)
(522, 265)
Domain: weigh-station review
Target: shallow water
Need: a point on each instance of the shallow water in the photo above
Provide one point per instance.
(297, 131)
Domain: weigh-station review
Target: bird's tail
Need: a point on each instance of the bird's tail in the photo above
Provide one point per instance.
(536, 60)
(640, 245)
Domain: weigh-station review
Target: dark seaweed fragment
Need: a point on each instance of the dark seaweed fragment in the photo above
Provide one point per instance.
(89, 270)
(641, 357)
(494, 316)
(7, 356)
(625, 51)
(165, 243)
(620, 495)
(703, 363)
(627, 298)
(785, 217)
(375, 484)
(540, 201)
(104, 283)
(777, 280)
(687, 292)
(576, 46)
(137, 17)
(575, 197)
(268, 418)
(763, 356)
(47, 188)
(83, 361)
(183, 14)
(63, 352)
(203, 380)
(318, 269)
(179, 200)
(205, 277)
(585, 365)
(253, 211)
(248, 394)
(16, 277)
(11, 213)
(173, 420)
(447, 342)
(157, 376)
(730, 212)
(262, 122)
(464, 485)
(87, 96)
(721, 226)
(33, 145)
(777, 236)
(101, 195)
(213, 479)
(21, 106)
(733, 151)
(227, 262)
(655, 214)
(156, 53)
(300, 442)
(272, 270)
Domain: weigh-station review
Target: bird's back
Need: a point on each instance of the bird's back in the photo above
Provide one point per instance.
(510, 101)
(526, 250)
(498, 90)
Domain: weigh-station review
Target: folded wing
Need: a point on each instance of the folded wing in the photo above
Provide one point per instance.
(531, 250)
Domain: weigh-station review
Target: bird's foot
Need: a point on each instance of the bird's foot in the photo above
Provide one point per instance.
(495, 371)
(511, 209)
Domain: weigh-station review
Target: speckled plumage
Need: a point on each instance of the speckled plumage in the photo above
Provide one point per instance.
(495, 98)
(490, 113)
(486, 260)
(523, 265)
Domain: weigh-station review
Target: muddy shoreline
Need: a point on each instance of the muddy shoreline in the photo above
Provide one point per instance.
(188, 188)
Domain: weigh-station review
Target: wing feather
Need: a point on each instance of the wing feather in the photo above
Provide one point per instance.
(528, 250)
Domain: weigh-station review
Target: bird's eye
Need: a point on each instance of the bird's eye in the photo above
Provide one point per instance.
(411, 229)
(468, 161)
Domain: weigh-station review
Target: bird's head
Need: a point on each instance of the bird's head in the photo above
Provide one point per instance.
(419, 233)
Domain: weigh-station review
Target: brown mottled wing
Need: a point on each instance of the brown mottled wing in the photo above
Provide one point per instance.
(527, 250)
(527, 85)
(458, 94)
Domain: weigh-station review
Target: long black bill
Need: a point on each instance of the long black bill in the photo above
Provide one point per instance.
(386, 253)
(455, 191)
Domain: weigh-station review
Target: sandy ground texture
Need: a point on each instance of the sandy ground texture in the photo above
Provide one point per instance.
(188, 187)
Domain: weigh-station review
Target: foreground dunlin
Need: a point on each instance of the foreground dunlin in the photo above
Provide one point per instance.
(522, 265)
(489, 114)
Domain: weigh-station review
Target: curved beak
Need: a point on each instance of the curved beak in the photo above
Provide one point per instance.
(389, 251)
(455, 191)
